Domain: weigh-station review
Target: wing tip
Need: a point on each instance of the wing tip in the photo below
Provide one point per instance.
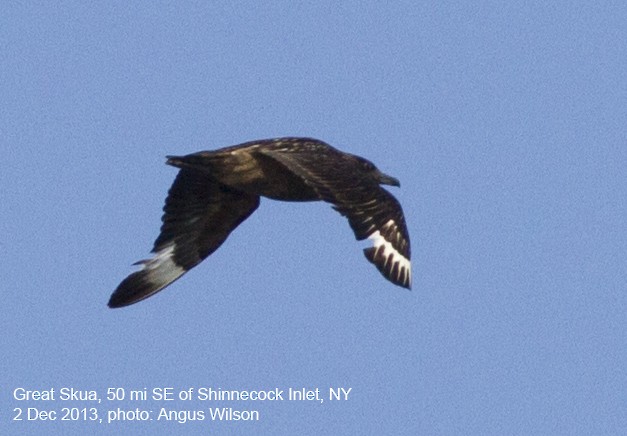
(397, 271)
(133, 289)
(154, 275)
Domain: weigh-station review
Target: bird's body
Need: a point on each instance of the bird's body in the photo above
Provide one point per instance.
(248, 169)
(215, 191)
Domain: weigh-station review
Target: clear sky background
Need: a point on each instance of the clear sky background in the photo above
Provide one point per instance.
(506, 124)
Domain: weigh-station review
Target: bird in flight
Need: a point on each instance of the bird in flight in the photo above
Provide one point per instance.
(215, 191)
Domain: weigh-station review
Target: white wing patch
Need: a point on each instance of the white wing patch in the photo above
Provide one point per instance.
(161, 269)
(388, 259)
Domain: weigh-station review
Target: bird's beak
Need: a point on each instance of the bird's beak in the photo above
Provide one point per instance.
(388, 180)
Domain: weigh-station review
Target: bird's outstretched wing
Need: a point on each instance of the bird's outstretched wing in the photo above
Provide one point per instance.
(199, 214)
(372, 211)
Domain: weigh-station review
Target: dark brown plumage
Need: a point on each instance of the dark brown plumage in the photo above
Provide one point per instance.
(215, 191)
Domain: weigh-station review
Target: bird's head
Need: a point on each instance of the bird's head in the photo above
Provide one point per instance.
(379, 176)
(384, 179)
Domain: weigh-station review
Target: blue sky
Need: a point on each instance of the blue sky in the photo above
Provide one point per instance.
(505, 123)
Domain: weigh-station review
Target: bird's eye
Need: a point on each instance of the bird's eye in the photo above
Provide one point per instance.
(368, 165)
